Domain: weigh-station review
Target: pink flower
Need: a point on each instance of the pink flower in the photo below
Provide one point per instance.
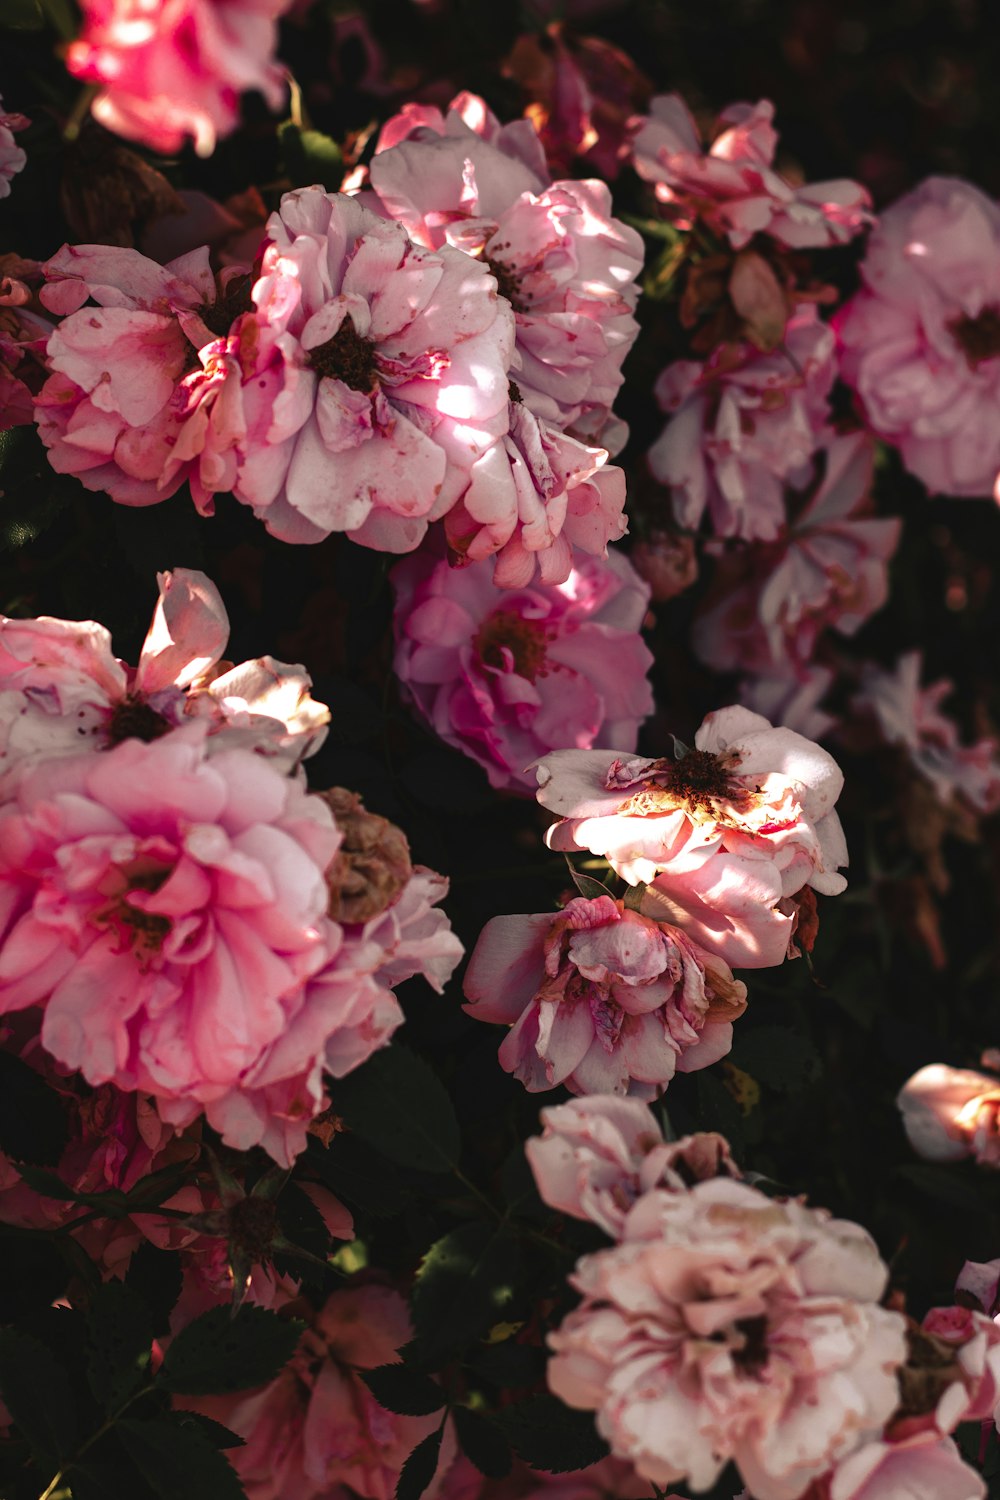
(921, 342)
(375, 376)
(909, 715)
(740, 822)
(828, 569)
(978, 1285)
(170, 70)
(792, 702)
(164, 910)
(951, 1113)
(740, 432)
(507, 675)
(728, 1325)
(596, 1156)
(732, 187)
(12, 158)
(317, 1427)
(567, 266)
(532, 498)
(927, 1467)
(62, 690)
(972, 1393)
(125, 407)
(601, 999)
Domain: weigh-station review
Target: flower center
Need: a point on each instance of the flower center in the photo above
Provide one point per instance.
(134, 719)
(506, 642)
(978, 337)
(751, 1357)
(697, 781)
(220, 315)
(253, 1227)
(347, 357)
(508, 282)
(143, 931)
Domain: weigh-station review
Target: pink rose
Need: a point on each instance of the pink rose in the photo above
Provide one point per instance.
(951, 1113)
(731, 1326)
(507, 675)
(740, 822)
(741, 431)
(732, 186)
(927, 1467)
(12, 158)
(601, 999)
(169, 70)
(978, 1285)
(920, 343)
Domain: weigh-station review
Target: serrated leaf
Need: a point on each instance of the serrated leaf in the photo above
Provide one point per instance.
(777, 1056)
(212, 1431)
(32, 1117)
(176, 1460)
(121, 1344)
(219, 1352)
(418, 1471)
(397, 1103)
(155, 1277)
(401, 1389)
(37, 1393)
(464, 1283)
(550, 1436)
(482, 1442)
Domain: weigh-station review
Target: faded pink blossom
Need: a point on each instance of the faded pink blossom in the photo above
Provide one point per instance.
(669, 563)
(23, 336)
(738, 823)
(925, 1467)
(978, 1285)
(792, 702)
(505, 675)
(12, 157)
(375, 374)
(596, 1156)
(973, 1393)
(828, 569)
(920, 343)
(173, 70)
(567, 266)
(951, 1113)
(731, 1326)
(601, 999)
(732, 186)
(531, 499)
(910, 716)
(62, 690)
(742, 429)
(316, 1427)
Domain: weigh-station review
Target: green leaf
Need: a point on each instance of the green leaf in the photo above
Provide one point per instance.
(23, 15)
(397, 1103)
(509, 1363)
(482, 1442)
(37, 1393)
(464, 1284)
(212, 1431)
(32, 1116)
(633, 897)
(155, 1277)
(776, 1055)
(587, 886)
(401, 1389)
(176, 1460)
(219, 1352)
(549, 1436)
(418, 1471)
(113, 1203)
(311, 157)
(121, 1344)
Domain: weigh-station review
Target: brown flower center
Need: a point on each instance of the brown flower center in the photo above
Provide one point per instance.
(253, 1227)
(348, 357)
(220, 315)
(978, 337)
(372, 864)
(751, 1357)
(697, 781)
(508, 282)
(143, 931)
(134, 719)
(525, 640)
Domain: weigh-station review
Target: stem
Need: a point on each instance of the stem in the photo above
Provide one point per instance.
(52, 1487)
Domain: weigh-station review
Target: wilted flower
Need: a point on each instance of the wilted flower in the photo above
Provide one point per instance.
(951, 1113)
(506, 674)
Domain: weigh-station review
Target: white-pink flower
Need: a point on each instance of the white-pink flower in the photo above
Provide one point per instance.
(792, 702)
(12, 157)
(375, 375)
(565, 263)
(506, 675)
(910, 716)
(951, 1113)
(172, 70)
(601, 999)
(732, 186)
(826, 570)
(920, 343)
(730, 1326)
(925, 1467)
(721, 835)
(741, 430)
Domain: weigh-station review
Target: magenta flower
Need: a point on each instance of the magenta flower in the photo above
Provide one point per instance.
(827, 570)
(920, 343)
(376, 374)
(951, 1113)
(732, 186)
(724, 836)
(731, 1326)
(170, 70)
(565, 263)
(601, 999)
(12, 157)
(507, 675)
(740, 432)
